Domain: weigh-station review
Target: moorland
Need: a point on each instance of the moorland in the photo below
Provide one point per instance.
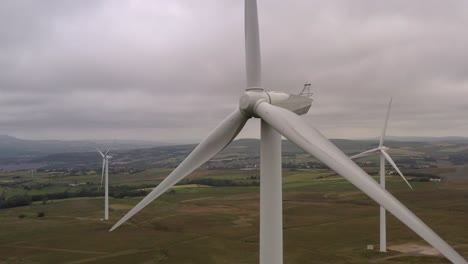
(54, 214)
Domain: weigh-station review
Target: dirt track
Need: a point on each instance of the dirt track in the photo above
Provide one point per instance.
(409, 249)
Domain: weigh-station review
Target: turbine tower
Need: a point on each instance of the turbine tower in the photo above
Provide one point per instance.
(279, 114)
(382, 151)
(105, 171)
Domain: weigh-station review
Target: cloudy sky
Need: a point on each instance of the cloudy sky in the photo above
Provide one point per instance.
(171, 70)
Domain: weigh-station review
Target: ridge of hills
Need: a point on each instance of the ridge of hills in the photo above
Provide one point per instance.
(241, 153)
(12, 147)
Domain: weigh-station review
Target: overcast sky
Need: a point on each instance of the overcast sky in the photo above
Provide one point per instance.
(171, 70)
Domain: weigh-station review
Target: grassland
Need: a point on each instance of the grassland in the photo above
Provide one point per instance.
(326, 220)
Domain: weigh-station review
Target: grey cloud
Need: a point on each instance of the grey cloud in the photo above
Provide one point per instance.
(173, 69)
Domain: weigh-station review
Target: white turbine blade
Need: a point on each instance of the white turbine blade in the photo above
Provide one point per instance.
(390, 160)
(103, 167)
(252, 46)
(100, 152)
(365, 153)
(105, 154)
(312, 141)
(216, 141)
(385, 124)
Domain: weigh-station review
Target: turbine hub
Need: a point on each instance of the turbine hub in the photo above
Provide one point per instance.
(250, 99)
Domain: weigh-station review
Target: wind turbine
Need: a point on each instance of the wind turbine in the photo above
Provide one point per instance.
(105, 170)
(279, 114)
(382, 151)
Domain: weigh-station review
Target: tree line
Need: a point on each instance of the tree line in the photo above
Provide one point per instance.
(120, 191)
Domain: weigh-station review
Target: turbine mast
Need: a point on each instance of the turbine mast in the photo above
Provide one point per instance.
(271, 200)
(106, 198)
(383, 216)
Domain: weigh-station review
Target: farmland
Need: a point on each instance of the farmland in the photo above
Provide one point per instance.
(326, 220)
(54, 214)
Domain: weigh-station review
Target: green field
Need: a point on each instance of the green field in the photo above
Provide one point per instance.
(326, 220)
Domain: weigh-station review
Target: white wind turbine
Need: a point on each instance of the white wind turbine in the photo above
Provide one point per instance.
(105, 170)
(279, 116)
(382, 151)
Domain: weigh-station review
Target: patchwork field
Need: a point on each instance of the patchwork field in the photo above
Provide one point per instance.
(326, 220)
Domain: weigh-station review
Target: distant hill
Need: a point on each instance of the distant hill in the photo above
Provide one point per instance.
(253, 145)
(11, 147)
(241, 153)
(450, 139)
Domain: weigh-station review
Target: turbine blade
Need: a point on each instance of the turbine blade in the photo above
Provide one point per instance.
(390, 160)
(312, 141)
(105, 154)
(252, 46)
(365, 153)
(100, 152)
(216, 141)
(385, 124)
(103, 167)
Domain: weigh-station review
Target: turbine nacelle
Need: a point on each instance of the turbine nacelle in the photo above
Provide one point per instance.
(384, 148)
(294, 103)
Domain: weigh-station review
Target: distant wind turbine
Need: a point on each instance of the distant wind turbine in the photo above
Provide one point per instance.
(105, 170)
(279, 114)
(382, 151)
